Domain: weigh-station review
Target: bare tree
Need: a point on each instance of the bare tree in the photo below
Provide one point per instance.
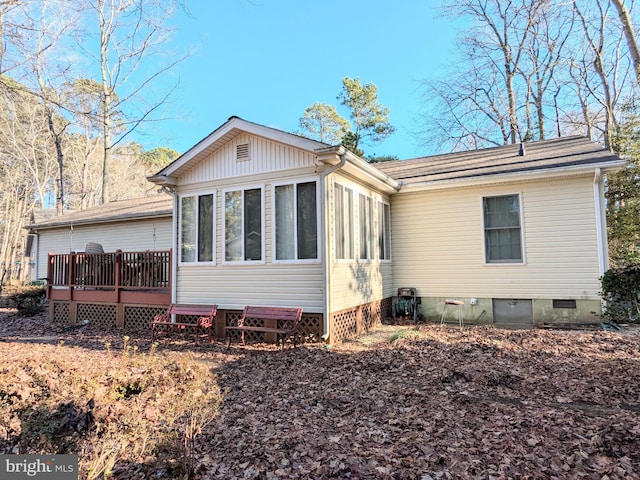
(543, 59)
(85, 144)
(131, 35)
(525, 63)
(55, 19)
(606, 70)
(470, 106)
(27, 164)
(487, 100)
(629, 33)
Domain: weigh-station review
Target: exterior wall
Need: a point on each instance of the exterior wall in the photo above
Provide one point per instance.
(269, 283)
(356, 282)
(132, 235)
(439, 247)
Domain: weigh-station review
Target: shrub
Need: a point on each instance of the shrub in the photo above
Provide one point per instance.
(621, 292)
(28, 300)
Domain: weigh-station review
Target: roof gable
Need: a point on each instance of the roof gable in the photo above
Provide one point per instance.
(224, 134)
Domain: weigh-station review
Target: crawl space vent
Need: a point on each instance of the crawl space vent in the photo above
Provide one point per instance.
(242, 152)
(564, 303)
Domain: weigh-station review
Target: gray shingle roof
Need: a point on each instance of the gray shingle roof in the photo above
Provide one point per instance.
(558, 153)
(145, 207)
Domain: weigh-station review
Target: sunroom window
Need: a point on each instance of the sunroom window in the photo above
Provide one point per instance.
(366, 227)
(197, 228)
(343, 222)
(243, 225)
(384, 231)
(502, 229)
(296, 221)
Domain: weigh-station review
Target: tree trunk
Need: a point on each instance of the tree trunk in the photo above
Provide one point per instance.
(630, 35)
(105, 24)
(57, 140)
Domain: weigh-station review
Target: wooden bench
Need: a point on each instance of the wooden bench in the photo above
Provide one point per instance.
(206, 314)
(282, 321)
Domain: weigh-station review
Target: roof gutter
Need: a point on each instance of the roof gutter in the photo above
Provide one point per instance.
(94, 221)
(474, 181)
(163, 180)
(351, 163)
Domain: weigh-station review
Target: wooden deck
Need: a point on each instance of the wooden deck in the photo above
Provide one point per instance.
(104, 280)
(121, 277)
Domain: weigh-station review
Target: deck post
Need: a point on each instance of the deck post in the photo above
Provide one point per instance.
(120, 315)
(72, 273)
(73, 312)
(49, 275)
(118, 275)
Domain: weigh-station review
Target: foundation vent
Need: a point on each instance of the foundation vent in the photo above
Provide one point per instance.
(564, 304)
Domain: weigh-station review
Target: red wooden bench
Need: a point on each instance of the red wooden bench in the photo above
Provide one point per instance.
(282, 321)
(203, 323)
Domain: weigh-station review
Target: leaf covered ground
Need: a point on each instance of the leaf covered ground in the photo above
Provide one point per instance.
(402, 402)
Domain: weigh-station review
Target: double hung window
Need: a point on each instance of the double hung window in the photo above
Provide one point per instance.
(502, 229)
(296, 221)
(243, 225)
(197, 237)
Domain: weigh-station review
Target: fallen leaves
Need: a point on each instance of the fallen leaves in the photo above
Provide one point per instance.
(447, 403)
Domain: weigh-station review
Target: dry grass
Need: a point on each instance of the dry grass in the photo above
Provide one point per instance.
(119, 408)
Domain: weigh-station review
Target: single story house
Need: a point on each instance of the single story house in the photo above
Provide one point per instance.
(140, 227)
(266, 217)
(136, 224)
(515, 234)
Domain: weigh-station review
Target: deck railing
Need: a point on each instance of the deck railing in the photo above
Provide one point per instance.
(108, 275)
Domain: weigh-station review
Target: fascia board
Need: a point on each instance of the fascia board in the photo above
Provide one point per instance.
(363, 171)
(98, 221)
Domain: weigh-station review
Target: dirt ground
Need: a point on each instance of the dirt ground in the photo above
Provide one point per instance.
(402, 402)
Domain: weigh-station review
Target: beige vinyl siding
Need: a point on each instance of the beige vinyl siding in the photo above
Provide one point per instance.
(264, 156)
(232, 286)
(355, 282)
(438, 242)
(133, 235)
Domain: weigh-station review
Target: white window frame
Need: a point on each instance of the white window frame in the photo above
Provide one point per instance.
(197, 195)
(382, 231)
(242, 189)
(523, 249)
(348, 221)
(295, 183)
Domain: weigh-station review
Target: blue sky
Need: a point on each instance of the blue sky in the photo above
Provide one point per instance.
(268, 60)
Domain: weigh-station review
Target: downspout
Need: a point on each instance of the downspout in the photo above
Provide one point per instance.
(598, 194)
(326, 276)
(34, 253)
(37, 262)
(174, 236)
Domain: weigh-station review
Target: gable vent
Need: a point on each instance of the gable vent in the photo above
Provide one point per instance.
(242, 152)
